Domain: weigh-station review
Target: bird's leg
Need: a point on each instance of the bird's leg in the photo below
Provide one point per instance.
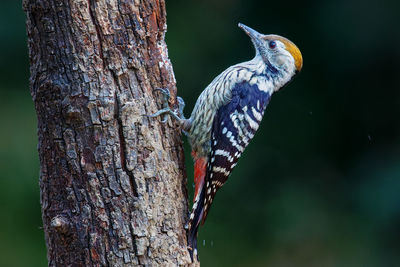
(166, 110)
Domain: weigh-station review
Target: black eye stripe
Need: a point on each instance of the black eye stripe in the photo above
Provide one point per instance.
(272, 44)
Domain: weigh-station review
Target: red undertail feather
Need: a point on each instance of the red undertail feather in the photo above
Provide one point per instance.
(200, 165)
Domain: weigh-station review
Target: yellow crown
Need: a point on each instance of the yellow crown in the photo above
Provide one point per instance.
(291, 48)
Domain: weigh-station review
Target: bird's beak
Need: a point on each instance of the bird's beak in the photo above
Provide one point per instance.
(255, 36)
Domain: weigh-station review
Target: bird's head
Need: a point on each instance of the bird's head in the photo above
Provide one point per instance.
(276, 51)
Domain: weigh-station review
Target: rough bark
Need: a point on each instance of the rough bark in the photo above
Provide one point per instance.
(113, 191)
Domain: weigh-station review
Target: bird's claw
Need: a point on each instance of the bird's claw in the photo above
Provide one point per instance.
(162, 90)
(166, 110)
(181, 104)
(163, 111)
(165, 93)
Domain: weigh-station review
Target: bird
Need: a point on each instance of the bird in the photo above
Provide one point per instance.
(227, 115)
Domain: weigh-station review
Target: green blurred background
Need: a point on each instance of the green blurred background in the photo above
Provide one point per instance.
(320, 183)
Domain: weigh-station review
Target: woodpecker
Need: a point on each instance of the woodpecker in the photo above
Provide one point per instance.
(228, 113)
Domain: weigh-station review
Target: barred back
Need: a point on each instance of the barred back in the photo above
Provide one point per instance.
(217, 94)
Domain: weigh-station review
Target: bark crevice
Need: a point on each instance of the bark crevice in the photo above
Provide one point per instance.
(92, 14)
(122, 144)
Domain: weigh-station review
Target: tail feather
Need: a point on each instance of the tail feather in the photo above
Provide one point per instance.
(200, 165)
(194, 222)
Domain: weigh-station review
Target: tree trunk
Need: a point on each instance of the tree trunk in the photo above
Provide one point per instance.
(112, 181)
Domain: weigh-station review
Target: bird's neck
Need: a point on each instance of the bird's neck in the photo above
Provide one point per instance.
(256, 65)
(277, 77)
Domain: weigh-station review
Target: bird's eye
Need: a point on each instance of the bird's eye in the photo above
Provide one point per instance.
(272, 44)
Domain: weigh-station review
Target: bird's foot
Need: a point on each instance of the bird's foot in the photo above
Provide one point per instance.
(166, 110)
(185, 124)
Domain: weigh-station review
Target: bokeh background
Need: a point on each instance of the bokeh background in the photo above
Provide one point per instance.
(320, 183)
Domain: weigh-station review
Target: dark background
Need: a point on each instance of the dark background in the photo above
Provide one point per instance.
(320, 183)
